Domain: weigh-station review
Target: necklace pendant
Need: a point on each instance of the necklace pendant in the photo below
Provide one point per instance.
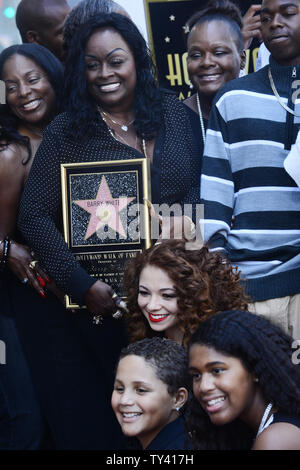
(124, 128)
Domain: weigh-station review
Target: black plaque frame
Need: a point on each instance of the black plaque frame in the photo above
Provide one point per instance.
(99, 202)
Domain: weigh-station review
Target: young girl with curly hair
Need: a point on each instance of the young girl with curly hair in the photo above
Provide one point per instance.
(171, 289)
(246, 384)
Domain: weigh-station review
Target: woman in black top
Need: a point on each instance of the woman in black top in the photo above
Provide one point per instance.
(33, 80)
(114, 111)
(246, 384)
(114, 88)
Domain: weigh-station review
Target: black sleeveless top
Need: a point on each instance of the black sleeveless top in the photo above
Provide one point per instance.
(280, 417)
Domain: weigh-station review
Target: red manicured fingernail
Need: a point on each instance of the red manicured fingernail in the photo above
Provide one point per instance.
(41, 281)
(42, 294)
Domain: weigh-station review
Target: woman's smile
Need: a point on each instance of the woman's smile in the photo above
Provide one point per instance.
(156, 318)
(213, 405)
(31, 105)
(210, 77)
(109, 87)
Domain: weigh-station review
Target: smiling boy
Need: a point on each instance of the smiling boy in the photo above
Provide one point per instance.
(252, 205)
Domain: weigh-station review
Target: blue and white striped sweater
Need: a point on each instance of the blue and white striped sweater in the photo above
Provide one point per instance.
(252, 205)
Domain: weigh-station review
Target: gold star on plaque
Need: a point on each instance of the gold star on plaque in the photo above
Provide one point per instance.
(104, 210)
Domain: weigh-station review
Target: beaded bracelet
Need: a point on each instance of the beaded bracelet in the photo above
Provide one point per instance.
(6, 245)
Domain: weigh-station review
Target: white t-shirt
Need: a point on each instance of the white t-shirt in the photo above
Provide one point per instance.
(262, 56)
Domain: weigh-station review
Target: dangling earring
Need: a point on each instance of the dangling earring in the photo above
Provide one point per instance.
(256, 379)
(177, 409)
(191, 86)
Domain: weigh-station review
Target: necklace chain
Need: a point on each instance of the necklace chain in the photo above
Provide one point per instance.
(124, 127)
(200, 118)
(289, 110)
(114, 134)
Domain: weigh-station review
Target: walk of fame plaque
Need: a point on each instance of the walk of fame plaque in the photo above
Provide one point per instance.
(106, 222)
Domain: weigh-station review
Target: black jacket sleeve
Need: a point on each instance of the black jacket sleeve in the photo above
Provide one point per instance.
(40, 219)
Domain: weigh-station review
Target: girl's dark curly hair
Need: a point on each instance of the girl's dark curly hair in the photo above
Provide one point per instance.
(82, 12)
(266, 351)
(79, 104)
(205, 284)
(223, 10)
(9, 122)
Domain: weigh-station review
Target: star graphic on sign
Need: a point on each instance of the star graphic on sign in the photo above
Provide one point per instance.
(167, 39)
(104, 210)
(186, 28)
(172, 18)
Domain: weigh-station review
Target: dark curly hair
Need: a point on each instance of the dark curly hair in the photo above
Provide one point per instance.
(223, 10)
(264, 350)
(9, 122)
(205, 283)
(84, 11)
(81, 108)
(168, 359)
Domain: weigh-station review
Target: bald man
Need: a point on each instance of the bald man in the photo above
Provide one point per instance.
(41, 22)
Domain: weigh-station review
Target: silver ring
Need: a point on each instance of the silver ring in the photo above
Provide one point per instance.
(25, 280)
(32, 264)
(118, 314)
(122, 304)
(97, 320)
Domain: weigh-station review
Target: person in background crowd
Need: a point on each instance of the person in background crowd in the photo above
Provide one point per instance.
(246, 385)
(251, 25)
(84, 11)
(215, 55)
(41, 22)
(33, 80)
(170, 289)
(251, 202)
(252, 29)
(150, 392)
